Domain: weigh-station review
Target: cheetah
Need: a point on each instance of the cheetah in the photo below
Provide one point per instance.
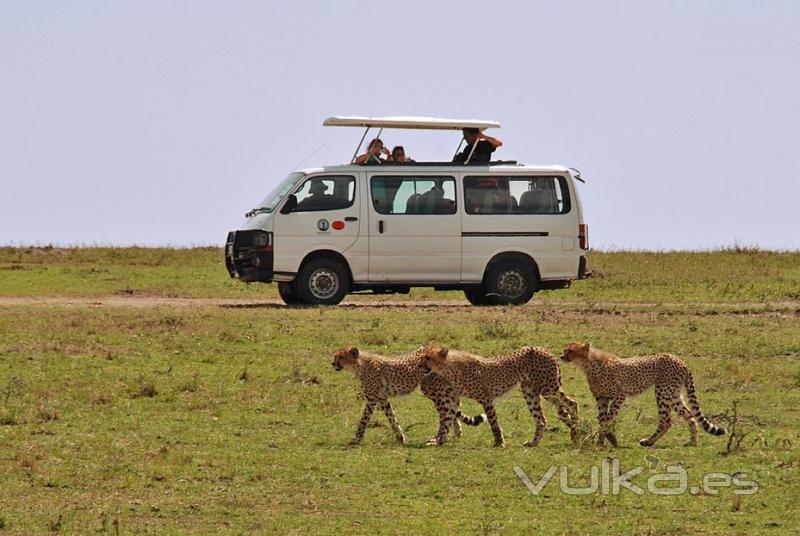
(612, 379)
(485, 379)
(383, 377)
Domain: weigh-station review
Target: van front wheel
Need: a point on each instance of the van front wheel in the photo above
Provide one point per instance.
(510, 282)
(288, 293)
(322, 282)
(477, 296)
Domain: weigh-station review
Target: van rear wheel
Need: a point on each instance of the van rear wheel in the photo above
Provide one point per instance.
(322, 282)
(510, 282)
(288, 293)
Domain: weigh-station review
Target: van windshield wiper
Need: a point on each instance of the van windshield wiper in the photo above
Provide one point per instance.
(259, 210)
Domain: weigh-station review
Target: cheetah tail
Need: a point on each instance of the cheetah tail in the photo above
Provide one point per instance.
(471, 421)
(707, 425)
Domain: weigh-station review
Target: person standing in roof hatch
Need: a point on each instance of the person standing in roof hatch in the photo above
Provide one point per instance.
(399, 155)
(486, 145)
(373, 154)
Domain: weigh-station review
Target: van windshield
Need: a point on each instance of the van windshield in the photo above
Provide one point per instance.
(271, 201)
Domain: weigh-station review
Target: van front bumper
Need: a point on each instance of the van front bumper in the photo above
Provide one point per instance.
(248, 255)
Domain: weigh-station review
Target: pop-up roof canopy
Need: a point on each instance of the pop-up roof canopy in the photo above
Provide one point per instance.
(410, 122)
(425, 123)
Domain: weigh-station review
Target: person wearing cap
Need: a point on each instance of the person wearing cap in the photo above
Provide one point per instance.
(484, 146)
(317, 197)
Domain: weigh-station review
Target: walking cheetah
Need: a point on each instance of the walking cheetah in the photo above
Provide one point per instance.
(612, 379)
(383, 377)
(485, 379)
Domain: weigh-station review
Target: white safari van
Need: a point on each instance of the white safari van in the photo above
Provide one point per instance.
(499, 231)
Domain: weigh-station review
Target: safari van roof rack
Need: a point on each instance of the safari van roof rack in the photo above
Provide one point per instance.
(408, 122)
(449, 164)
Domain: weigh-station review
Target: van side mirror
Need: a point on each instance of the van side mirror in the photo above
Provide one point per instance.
(290, 205)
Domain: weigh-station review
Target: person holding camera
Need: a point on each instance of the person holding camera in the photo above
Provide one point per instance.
(373, 154)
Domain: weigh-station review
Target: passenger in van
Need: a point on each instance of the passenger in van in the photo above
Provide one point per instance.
(481, 197)
(433, 201)
(505, 202)
(399, 155)
(373, 154)
(317, 198)
(486, 145)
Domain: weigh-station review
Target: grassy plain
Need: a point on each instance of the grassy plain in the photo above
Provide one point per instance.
(730, 275)
(211, 419)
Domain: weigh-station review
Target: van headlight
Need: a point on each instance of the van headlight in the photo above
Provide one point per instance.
(262, 239)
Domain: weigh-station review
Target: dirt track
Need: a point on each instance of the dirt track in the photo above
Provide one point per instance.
(784, 307)
(150, 301)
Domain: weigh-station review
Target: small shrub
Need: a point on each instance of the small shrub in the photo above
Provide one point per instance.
(101, 400)
(46, 411)
(55, 526)
(496, 330)
(28, 464)
(8, 419)
(298, 376)
(582, 434)
(244, 376)
(373, 339)
(146, 388)
(190, 385)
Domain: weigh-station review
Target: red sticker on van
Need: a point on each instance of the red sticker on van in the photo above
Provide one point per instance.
(338, 225)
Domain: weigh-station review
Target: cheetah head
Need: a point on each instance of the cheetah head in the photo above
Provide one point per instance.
(434, 358)
(345, 358)
(576, 352)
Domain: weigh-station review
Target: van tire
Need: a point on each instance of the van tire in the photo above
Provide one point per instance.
(510, 282)
(477, 296)
(288, 293)
(322, 282)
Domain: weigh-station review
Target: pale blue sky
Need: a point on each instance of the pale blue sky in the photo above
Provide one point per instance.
(155, 123)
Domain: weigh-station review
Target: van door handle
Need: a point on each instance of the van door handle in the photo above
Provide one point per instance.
(351, 218)
(380, 226)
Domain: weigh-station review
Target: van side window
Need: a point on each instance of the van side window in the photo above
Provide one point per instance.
(413, 195)
(326, 192)
(516, 195)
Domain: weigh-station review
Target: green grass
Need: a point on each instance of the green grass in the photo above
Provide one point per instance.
(231, 420)
(731, 275)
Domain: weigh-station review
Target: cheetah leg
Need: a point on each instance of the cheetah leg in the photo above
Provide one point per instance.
(447, 418)
(362, 425)
(602, 417)
(386, 406)
(571, 407)
(456, 403)
(681, 409)
(613, 410)
(488, 407)
(535, 407)
(663, 399)
(566, 408)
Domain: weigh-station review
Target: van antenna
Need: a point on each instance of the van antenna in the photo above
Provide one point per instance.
(315, 151)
